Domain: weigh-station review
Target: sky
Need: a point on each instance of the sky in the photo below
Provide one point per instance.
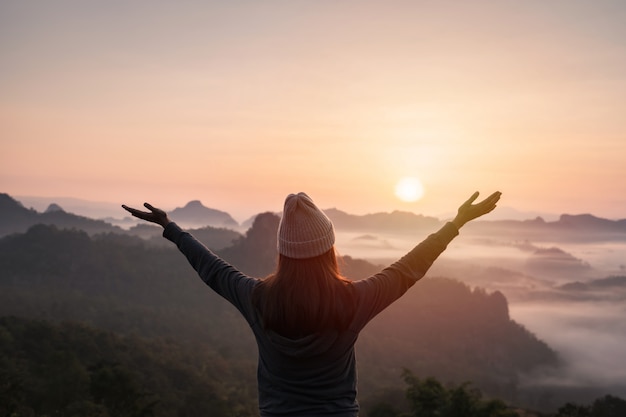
(239, 103)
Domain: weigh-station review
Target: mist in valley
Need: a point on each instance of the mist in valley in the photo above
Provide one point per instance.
(569, 293)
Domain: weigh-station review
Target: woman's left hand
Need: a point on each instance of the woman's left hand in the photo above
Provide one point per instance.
(155, 215)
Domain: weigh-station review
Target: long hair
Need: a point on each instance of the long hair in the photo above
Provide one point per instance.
(305, 296)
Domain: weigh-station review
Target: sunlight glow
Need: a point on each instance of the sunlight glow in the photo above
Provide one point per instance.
(409, 189)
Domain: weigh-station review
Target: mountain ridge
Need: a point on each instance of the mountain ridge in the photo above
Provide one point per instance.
(15, 218)
(194, 213)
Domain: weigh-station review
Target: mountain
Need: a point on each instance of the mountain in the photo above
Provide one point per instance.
(89, 208)
(555, 262)
(580, 228)
(396, 221)
(15, 218)
(194, 214)
(569, 227)
(53, 207)
(613, 287)
(589, 221)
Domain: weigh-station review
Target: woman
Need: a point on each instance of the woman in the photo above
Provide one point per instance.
(306, 317)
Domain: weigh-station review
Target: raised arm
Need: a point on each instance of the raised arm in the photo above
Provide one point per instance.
(380, 290)
(469, 211)
(222, 277)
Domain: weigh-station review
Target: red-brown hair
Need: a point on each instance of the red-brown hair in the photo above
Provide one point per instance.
(305, 296)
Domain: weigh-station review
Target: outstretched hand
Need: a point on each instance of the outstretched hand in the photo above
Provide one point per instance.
(469, 211)
(155, 215)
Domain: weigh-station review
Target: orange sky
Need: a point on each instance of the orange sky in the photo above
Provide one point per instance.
(239, 103)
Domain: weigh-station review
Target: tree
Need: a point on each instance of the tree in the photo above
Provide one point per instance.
(117, 389)
(383, 410)
(430, 398)
(574, 410)
(463, 401)
(608, 406)
(427, 398)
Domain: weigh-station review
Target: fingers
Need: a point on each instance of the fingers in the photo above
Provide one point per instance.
(130, 209)
(471, 199)
(153, 209)
(145, 215)
(495, 196)
(492, 199)
(489, 203)
(135, 212)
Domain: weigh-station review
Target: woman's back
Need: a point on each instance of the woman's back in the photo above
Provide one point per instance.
(305, 296)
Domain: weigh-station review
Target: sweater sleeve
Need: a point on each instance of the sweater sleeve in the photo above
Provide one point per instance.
(218, 274)
(379, 291)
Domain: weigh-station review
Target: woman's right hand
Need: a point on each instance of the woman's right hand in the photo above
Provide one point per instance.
(469, 211)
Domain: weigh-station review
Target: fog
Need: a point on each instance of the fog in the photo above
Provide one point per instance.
(585, 324)
(589, 335)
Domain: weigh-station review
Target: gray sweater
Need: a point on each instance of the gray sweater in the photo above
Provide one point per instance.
(313, 375)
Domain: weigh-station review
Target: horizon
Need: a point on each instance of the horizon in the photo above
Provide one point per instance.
(105, 209)
(239, 104)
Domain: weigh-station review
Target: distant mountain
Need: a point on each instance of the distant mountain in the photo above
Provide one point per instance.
(614, 283)
(569, 227)
(246, 224)
(13, 215)
(606, 290)
(87, 208)
(579, 228)
(194, 214)
(565, 221)
(15, 218)
(556, 262)
(53, 207)
(396, 221)
(589, 221)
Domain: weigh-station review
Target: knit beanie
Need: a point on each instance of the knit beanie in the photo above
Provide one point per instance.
(304, 230)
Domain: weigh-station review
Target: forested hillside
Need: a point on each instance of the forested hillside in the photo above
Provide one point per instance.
(74, 370)
(121, 284)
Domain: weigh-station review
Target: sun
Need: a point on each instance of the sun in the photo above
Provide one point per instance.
(409, 189)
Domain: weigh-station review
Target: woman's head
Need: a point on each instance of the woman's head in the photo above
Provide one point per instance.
(304, 230)
(307, 293)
